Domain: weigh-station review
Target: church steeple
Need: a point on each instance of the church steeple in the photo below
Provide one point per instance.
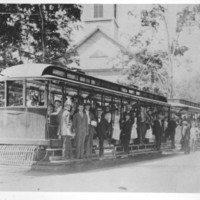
(102, 15)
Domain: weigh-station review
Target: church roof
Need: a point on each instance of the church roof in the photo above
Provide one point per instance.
(95, 31)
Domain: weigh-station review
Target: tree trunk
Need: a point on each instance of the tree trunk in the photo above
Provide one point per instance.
(43, 32)
(170, 59)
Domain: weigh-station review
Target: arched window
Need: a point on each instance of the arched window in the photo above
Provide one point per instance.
(98, 10)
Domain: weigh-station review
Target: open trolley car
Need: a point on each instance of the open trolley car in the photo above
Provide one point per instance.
(26, 127)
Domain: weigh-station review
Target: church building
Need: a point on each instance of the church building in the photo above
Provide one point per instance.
(100, 42)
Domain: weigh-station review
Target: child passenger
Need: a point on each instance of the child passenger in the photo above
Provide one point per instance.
(125, 135)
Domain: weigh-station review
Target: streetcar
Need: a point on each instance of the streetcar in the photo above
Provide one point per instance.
(185, 110)
(27, 91)
(184, 107)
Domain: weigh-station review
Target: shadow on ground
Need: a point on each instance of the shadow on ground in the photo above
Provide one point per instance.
(91, 166)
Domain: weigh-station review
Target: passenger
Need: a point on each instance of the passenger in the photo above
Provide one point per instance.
(148, 121)
(165, 127)
(134, 129)
(28, 101)
(65, 131)
(91, 131)
(142, 125)
(35, 99)
(194, 132)
(107, 115)
(125, 135)
(32, 100)
(171, 131)
(57, 106)
(158, 131)
(80, 128)
(129, 111)
(183, 127)
(50, 108)
(186, 137)
(102, 133)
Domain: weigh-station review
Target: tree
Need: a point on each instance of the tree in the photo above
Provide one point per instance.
(188, 20)
(154, 53)
(40, 33)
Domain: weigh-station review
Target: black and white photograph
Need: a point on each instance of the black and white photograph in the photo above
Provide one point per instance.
(99, 98)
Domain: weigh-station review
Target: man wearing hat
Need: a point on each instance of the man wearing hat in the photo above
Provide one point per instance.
(91, 130)
(80, 128)
(158, 130)
(125, 135)
(172, 130)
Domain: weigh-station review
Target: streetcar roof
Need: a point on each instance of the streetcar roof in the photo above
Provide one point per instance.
(25, 70)
(180, 105)
(53, 71)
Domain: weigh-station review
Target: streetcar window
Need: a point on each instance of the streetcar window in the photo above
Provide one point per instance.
(55, 93)
(105, 84)
(131, 91)
(125, 90)
(93, 82)
(98, 82)
(2, 94)
(84, 79)
(72, 76)
(150, 96)
(107, 100)
(138, 93)
(35, 93)
(85, 95)
(97, 97)
(145, 94)
(58, 73)
(114, 87)
(15, 93)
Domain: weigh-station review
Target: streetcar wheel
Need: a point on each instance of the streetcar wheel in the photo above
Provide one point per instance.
(41, 154)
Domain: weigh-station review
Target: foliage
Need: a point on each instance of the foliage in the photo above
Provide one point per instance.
(152, 53)
(188, 17)
(37, 32)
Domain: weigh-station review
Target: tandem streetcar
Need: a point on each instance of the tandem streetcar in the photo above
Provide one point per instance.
(29, 130)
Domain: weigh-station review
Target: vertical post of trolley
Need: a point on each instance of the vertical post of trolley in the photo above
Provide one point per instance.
(169, 117)
(78, 93)
(24, 92)
(102, 100)
(63, 96)
(6, 93)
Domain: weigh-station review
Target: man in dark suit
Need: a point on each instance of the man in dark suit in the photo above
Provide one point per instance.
(92, 123)
(80, 128)
(158, 130)
(172, 130)
(125, 135)
(103, 128)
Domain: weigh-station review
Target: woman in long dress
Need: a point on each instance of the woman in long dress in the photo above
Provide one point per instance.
(134, 130)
